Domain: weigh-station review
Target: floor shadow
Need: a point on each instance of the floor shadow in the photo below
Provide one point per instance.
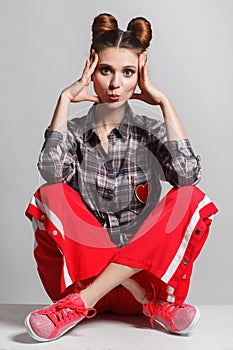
(24, 338)
(14, 314)
(140, 321)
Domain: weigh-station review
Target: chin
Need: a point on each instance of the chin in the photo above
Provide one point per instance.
(112, 105)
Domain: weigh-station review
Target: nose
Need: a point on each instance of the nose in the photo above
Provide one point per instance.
(115, 82)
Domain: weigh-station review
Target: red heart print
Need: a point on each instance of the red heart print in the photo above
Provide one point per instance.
(142, 192)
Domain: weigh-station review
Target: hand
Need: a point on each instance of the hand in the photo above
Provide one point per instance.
(77, 92)
(149, 93)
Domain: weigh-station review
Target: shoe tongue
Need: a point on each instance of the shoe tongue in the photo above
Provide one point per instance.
(76, 297)
(73, 299)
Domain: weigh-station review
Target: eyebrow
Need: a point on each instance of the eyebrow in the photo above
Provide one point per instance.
(109, 66)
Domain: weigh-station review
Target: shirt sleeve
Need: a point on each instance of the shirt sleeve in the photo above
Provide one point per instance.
(183, 167)
(180, 166)
(57, 157)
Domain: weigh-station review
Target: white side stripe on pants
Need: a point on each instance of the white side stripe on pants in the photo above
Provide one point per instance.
(50, 214)
(182, 249)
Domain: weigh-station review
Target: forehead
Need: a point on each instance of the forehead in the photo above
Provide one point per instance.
(118, 56)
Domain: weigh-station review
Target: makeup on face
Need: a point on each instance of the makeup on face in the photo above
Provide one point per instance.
(116, 75)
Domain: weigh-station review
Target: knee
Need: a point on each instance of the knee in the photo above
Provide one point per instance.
(188, 190)
(54, 186)
(184, 197)
(51, 190)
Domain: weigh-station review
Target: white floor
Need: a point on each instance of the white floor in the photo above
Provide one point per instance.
(111, 332)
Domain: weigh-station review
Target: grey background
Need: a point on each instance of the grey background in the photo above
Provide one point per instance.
(43, 48)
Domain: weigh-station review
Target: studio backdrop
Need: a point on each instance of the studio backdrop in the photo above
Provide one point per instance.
(44, 45)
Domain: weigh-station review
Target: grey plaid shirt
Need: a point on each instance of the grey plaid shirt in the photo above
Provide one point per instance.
(139, 153)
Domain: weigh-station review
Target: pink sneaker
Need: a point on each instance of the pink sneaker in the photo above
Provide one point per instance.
(53, 321)
(174, 318)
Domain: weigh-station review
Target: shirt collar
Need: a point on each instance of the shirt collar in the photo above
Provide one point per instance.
(123, 129)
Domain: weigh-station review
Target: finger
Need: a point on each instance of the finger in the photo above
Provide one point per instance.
(93, 65)
(86, 68)
(92, 56)
(140, 62)
(142, 59)
(145, 72)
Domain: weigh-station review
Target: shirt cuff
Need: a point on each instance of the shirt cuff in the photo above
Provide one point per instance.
(54, 138)
(177, 147)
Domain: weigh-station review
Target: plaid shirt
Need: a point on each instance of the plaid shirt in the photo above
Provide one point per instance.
(138, 153)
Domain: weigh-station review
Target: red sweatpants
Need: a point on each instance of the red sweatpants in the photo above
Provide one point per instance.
(72, 247)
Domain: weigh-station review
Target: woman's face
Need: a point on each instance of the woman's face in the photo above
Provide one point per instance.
(116, 75)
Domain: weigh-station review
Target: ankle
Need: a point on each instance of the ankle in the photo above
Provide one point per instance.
(88, 300)
(148, 297)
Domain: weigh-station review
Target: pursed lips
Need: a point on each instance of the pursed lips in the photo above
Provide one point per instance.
(114, 97)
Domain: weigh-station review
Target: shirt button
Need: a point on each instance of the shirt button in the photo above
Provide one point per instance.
(184, 277)
(185, 261)
(42, 218)
(198, 231)
(54, 233)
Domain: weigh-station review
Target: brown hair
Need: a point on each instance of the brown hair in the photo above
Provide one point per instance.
(105, 33)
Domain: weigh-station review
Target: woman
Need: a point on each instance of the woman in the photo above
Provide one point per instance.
(105, 240)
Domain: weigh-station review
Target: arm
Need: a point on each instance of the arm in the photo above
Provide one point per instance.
(180, 165)
(58, 156)
(174, 128)
(77, 92)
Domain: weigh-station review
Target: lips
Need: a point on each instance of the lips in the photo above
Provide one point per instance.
(114, 97)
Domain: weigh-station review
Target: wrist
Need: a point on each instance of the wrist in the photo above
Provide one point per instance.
(164, 102)
(65, 97)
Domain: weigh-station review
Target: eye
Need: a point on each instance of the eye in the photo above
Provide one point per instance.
(129, 72)
(105, 70)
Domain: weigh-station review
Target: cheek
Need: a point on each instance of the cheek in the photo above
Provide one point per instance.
(98, 83)
(131, 85)
(100, 80)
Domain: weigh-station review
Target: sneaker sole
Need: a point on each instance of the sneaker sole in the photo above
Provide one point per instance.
(186, 330)
(36, 337)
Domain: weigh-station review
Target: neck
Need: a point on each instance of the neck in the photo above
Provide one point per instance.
(109, 117)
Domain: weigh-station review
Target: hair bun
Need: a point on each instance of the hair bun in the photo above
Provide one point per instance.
(141, 27)
(102, 23)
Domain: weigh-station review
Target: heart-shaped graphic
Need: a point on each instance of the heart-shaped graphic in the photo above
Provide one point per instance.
(142, 192)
